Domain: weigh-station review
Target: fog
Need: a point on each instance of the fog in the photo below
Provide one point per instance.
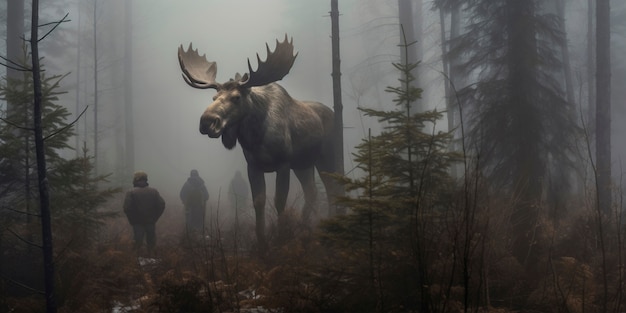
(166, 110)
(523, 215)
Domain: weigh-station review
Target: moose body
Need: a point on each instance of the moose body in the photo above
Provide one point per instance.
(277, 133)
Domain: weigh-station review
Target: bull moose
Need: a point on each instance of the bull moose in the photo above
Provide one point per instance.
(277, 133)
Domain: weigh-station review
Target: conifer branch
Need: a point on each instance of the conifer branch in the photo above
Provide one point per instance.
(66, 126)
(23, 239)
(56, 24)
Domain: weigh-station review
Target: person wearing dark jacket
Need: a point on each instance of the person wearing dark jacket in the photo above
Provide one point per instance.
(143, 205)
(194, 196)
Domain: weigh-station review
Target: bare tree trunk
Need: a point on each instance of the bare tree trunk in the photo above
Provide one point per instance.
(591, 69)
(44, 197)
(603, 104)
(95, 90)
(78, 43)
(15, 33)
(129, 159)
(567, 70)
(337, 104)
(450, 69)
(603, 129)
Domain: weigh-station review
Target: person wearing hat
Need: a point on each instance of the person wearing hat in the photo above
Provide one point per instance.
(194, 196)
(143, 205)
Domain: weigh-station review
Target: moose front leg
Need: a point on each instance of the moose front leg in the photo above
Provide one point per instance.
(280, 199)
(257, 186)
(282, 189)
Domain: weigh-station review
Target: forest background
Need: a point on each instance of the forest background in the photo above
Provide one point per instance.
(478, 180)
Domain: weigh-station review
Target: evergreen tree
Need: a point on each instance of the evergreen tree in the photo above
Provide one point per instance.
(76, 202)
(521, 122)
(79, 210)
(17, 147)
(406, 184)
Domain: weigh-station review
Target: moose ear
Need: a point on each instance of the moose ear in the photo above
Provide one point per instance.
(229, 137)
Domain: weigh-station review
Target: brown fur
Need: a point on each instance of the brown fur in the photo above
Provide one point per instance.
(277, 134)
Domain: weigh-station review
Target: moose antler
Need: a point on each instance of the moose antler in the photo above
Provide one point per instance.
(197, 71)
(275, 67)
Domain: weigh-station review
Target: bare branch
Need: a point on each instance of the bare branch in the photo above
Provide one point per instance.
(66, 126)
(22, 212)
(16, 125)
(22, 285)
(56, 24)
(13, 65)
(24, 240)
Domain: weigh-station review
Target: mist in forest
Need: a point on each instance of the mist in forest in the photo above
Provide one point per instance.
(166, 111)
(502, 210)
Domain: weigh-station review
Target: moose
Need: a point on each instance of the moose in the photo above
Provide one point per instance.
(277, 133)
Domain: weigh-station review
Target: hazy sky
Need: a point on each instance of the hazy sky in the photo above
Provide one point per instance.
(167, 111)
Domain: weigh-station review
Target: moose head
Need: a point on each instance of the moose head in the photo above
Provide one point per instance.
(232, 95)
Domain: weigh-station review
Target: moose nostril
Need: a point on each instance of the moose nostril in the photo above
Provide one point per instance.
(216, 123)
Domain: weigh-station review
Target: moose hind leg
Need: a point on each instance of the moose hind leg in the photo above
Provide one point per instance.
(307, 180)
(325, 165)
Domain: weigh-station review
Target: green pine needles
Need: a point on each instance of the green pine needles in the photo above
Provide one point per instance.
(405, 186)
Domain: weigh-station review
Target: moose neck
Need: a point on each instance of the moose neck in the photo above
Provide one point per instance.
(267, 116)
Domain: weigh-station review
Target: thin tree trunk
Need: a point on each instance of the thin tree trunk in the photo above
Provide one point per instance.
(591, 69)
(15, 53)
(445, 64)
(15, 33)
(129, 164)
(567, 70)
(337, 104)
(603, 104)
(78, 43)
(603, 129)
(95, 90)
(450, 68)
(44, 197)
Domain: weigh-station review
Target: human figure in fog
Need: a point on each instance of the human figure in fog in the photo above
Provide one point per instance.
(194, 196)
(143, 206)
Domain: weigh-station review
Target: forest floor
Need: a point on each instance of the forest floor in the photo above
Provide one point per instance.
(219, 270)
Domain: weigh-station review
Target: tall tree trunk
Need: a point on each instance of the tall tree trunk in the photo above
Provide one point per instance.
(603, 104)
(337, 104)
(44, 197)
(567, 70)
(451, 69)
(15, 33)
(411, 54)
(95, 88)
(591, 70)
(77, 144)
(603, 130)
(129, 159)
(527, 176)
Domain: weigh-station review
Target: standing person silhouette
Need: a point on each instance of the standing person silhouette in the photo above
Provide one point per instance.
(238, 191)
(194, 196)
(143, 206)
